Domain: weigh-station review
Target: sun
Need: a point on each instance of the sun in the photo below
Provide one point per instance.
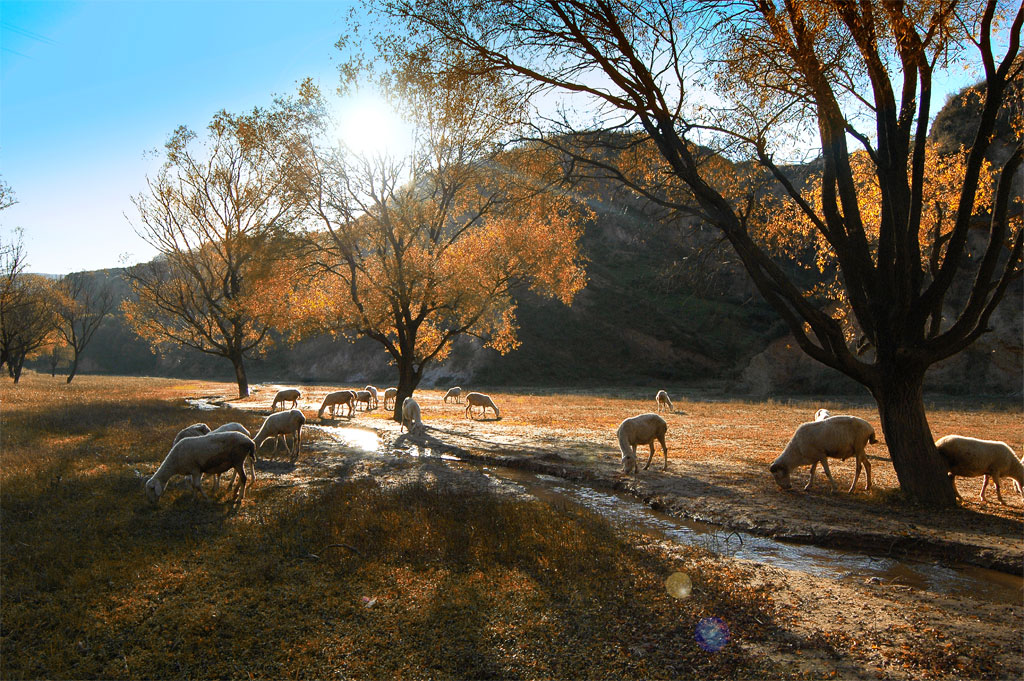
(369, 127)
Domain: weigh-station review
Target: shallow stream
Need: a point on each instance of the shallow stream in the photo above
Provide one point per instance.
(626, 512)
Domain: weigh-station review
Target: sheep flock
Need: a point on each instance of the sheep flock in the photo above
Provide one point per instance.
(813, 443)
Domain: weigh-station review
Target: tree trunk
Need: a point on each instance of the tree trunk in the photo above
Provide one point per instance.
(15, 364)
(240, 377)
(408, 379)
(74, 368)
(921, 472)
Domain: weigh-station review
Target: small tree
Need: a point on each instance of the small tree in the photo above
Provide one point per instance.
(414, 254)
(28, 322)
(216, 213)
(755, 79)
(82, 305)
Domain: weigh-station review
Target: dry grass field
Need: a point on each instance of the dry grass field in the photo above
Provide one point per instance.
(358, 578)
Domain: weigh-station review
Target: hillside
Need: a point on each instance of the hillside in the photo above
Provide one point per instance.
(666, 304)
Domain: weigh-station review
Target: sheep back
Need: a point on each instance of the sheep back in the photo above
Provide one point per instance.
(839, 437)
(195, 430)
(971, 457)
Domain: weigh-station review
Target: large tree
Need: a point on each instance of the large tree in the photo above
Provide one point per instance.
(753, 80)
(216, 213)
(417, 251)
(84, 300)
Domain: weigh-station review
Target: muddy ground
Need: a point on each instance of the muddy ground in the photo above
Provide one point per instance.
(717, 472)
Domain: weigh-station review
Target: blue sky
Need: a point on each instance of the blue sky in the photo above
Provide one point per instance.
(87, 87)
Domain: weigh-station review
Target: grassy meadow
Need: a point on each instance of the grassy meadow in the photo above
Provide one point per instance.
(354, 580)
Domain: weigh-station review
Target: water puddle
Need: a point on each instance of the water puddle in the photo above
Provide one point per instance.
(204, 403)
(361, 439)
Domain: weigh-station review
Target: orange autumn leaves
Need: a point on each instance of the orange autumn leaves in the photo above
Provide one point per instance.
(431, 263)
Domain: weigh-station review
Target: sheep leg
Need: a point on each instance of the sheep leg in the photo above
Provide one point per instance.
(828, 474)
(983, 486)
(856, 476)
(811, 479)
(197, 484)
(242, 483)
(664, 450)
(651, 456)
(999, 493)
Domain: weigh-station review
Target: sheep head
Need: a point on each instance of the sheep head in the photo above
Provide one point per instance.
(153, 490)
(780, 472)
(629, 465)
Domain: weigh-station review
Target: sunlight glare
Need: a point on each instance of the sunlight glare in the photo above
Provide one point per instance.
(369, 127)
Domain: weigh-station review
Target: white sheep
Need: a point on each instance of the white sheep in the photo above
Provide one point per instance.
(455, 394)
(364, 397)
(195, 430)
(233, 427)
(839, 437)
(822, 414)
(192, 456)
(374, 395)
(970, 457)
(662, 400)
(288, 395)
(390, 395)
(410, 415)
(283, 423)
(339, 397)
(482, 401)
(641, 430)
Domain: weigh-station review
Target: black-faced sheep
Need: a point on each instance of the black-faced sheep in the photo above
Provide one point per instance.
(453, 394)
(482, 401)
(641, 430)
(663, 401)
(193, 456)
(283, 423)
(410, 415)
(339, 397)
(970, 457)
(288, 395)
(839, 437)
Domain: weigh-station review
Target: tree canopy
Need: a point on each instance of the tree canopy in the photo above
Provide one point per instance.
(753, 81)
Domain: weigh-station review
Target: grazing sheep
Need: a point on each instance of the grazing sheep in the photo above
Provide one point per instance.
(662, 400)
(410, 415)
(482, 401)
(332, 400)
(233, 427)
(364, 397)
(641, 430)
(969, 457)
(455, 394)
(373, 395)
(822, 414)
(391, 394)
(195, 430)
(289, 395)
(283, 423)
(192, 456)
(839, 437)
